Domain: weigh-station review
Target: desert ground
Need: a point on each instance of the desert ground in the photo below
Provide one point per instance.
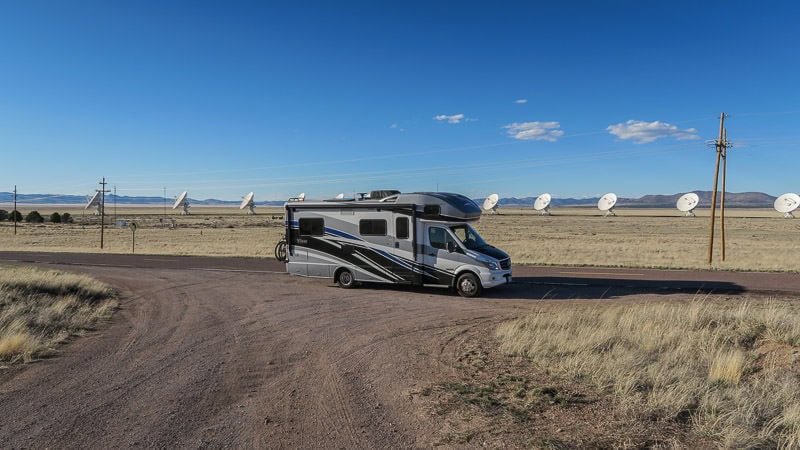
(228, 352)
(756, 239)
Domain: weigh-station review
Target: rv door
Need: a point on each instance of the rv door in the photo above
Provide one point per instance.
(440, 254)
(402, 247)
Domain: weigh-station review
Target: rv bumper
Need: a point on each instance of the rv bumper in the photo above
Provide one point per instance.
(492, 278)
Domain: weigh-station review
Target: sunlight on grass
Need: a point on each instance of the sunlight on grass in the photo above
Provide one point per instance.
(727, 369)
(39, 309)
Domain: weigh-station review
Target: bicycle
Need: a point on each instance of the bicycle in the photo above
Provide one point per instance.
(280, 249)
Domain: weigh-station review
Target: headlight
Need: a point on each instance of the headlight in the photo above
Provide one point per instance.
(488, 262)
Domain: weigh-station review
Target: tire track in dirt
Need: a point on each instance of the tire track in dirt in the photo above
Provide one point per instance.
(221, 359)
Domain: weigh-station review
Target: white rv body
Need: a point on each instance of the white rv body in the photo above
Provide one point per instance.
(418, 239)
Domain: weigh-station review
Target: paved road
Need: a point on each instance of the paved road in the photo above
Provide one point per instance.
(561, 278)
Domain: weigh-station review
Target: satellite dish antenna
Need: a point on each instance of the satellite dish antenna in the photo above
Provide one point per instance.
(542, 204)
(606, 204)
(95, 201)
(182, 201)
(787, 203)
(247, 202)
(687, 203)
(340, 196)
(490, 204)
(300, 197)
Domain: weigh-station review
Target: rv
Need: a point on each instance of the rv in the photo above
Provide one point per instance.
(422, 239)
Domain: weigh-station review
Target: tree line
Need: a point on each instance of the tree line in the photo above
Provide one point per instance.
(34, 217)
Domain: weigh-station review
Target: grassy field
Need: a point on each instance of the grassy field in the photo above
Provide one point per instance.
(726, 370)
(40, 309)
(757, 240)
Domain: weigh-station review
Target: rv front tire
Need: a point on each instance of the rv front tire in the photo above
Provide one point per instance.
(468, 285)
(346, 279)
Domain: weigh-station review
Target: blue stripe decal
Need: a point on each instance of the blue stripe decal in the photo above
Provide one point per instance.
(336, 232)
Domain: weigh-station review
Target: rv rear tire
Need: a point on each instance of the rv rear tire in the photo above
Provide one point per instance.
(468, 285)
(346, 279)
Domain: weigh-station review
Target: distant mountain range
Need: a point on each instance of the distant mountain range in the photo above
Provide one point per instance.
(738, 200)
(58, 199)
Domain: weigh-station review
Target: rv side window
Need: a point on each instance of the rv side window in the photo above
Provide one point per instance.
(401, 227)
(372, 227)
(312, 227)
(439, 238)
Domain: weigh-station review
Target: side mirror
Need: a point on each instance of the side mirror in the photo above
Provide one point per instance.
(451, 246)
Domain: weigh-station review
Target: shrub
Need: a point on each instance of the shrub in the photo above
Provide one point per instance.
(55, 217)
(34, 217)
(3, 215)
(67, 218)
(15, 216)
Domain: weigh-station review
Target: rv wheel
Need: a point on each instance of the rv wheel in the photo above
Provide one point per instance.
(346, 279)
(468, 285)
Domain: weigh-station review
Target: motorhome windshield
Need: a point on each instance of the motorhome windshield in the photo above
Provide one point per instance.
(468, 236)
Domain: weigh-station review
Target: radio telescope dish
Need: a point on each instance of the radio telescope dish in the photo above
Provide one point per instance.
(340, 196)
(95, 201)
(687, 203)
(542, 204)
(607, 203)
(787, 203)
(490, 204)
(247, 202)
(183, 201)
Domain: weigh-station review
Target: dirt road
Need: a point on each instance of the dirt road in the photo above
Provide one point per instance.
(225, 353)
(242, 359)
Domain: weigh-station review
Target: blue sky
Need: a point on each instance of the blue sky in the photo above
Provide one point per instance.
(518, 98)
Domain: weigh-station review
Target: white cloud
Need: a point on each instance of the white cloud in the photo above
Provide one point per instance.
(455, 118)
(521, 101)
(643, 132)
(395, 126)
(535, 131)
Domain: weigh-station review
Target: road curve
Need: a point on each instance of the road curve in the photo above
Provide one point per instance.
(232, 352)
(524, 276)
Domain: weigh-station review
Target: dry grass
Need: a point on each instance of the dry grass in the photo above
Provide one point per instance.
(39, 309)
(757, 239)
(728, 371)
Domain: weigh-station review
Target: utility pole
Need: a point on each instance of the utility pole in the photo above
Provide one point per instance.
(115, 205)
(721, 146)
(722, 199)
(15, 210)
(102, 210)
(164, 219)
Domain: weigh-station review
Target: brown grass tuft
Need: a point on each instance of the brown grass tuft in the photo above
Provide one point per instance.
(39, 309)
(727, 367)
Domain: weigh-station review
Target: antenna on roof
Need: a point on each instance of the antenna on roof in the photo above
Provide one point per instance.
(95, 201)
(490, 203)
(787, 203)
(542, 204)
(247, 202)
(606, 204)
(687, 203)
(183, 201)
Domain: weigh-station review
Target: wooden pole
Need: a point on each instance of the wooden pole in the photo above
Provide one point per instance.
(15, 210)
(714, 192)
(722, 199)
(102, 210)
